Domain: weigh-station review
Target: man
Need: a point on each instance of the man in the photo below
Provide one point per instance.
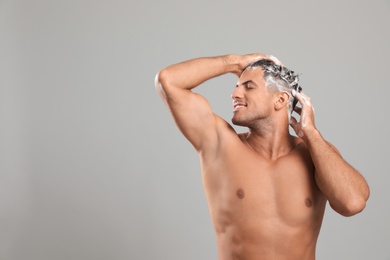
(266, 189)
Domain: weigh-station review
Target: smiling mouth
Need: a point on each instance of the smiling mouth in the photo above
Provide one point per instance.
(238, 106)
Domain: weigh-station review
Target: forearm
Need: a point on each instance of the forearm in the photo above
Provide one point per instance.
(344, 187)
(191, 73)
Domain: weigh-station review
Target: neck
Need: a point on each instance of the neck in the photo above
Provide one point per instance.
(271, 140)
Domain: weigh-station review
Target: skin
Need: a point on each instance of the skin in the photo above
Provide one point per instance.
(266, 189)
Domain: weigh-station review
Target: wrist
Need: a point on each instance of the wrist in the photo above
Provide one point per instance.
(232, 63)
(311, 135)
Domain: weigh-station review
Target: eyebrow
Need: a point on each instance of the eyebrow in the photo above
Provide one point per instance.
(247, 82)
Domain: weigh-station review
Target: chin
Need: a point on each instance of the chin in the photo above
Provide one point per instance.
(238, 122)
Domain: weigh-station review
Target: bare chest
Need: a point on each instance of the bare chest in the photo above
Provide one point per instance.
(243, 187)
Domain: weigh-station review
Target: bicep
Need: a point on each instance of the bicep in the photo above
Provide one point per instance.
(193, 116)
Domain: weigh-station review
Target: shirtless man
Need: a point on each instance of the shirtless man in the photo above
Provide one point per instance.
(266, 189)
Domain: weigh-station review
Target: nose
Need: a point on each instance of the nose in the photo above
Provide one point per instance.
(237, 93)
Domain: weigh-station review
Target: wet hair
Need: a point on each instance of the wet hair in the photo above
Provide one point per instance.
(279, 78)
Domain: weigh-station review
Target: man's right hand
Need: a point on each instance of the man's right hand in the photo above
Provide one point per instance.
(245, 60)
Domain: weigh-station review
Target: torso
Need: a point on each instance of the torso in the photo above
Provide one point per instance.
(261, 208)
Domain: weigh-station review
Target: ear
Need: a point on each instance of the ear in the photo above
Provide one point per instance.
(282, 99)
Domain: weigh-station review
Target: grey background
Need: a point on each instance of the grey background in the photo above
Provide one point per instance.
(93, 167)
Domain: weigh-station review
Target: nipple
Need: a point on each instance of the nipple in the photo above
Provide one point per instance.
(240, 193)
(308, 202)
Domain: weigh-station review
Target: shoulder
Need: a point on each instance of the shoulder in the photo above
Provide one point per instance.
(300, 144)
(302, 149)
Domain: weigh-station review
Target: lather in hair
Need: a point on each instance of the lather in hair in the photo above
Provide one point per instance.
(277, 73)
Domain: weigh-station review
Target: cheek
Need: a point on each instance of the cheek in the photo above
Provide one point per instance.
(262, 106)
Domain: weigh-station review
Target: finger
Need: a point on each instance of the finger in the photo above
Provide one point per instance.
(238, 74)
(298, 110)
(275, 60)
(302, 98)
(295, 125)
(293, 121)
(258, 56)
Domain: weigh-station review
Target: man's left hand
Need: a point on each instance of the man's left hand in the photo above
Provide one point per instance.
(306, 113)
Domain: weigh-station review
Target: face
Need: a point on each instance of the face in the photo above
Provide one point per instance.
(251, 99)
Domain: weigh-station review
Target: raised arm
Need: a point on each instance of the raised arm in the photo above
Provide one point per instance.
(192, 112)
(344, 187)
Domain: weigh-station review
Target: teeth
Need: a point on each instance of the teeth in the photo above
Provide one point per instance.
(239, 106)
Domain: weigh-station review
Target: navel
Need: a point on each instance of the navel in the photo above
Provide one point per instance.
(240, 193)
(308, 203)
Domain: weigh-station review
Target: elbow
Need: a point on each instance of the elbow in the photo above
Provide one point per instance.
(161, 80)
(352, 207)
(160, 83)
(358, 203)
(157, 81)
(352, 204)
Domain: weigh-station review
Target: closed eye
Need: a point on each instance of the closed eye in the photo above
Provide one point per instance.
(248, 86)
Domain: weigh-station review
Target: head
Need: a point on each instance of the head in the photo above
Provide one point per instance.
(278, 82)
